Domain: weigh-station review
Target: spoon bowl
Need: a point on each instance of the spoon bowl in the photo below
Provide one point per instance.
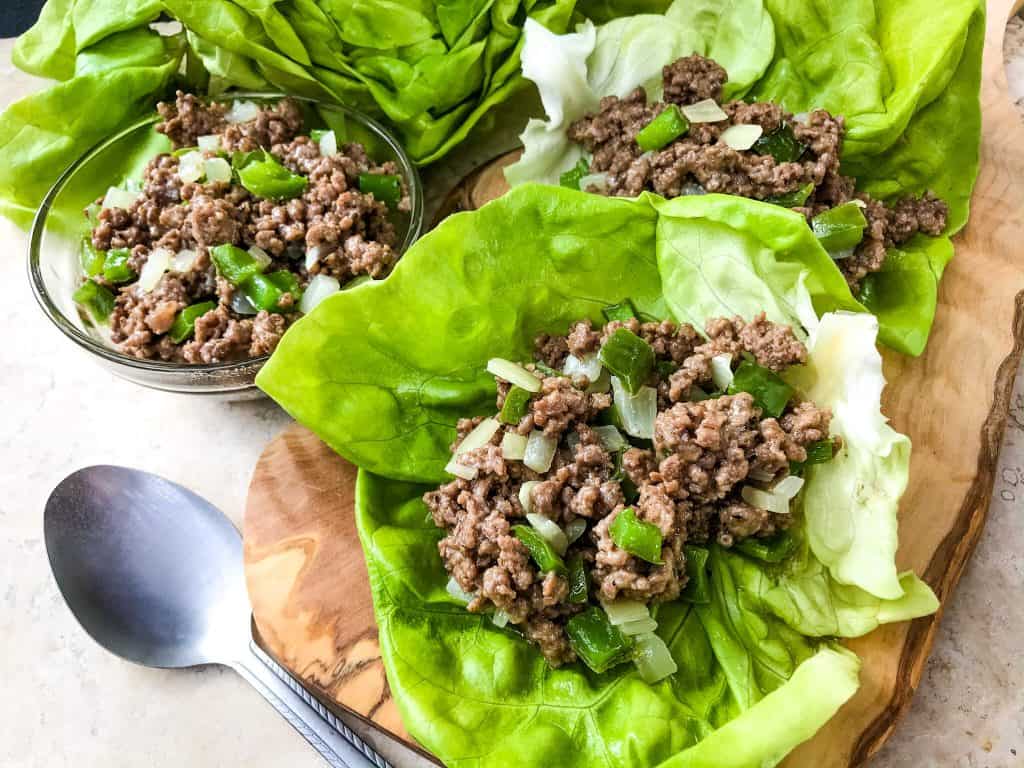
(154, 573)
(151, 571)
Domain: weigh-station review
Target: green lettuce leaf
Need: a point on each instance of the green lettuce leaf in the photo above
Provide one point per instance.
(905, 75)
(382, 372)
(434, 68)
(42, 134)
(850, 502)
(387, 394)
(748, 690)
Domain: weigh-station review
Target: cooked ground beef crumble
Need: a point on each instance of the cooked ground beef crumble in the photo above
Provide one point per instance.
(698, 162)
(350, 232)
(688, 481)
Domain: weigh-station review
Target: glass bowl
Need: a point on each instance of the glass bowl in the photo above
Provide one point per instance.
(55, 242)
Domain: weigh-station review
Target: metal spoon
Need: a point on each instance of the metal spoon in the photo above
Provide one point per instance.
(154, 574)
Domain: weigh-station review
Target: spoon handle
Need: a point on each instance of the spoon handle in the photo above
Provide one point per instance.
(338, 744)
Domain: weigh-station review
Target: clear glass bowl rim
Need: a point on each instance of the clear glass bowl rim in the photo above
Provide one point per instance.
(72, 331)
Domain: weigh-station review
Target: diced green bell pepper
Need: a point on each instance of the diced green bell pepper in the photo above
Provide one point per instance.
(96, 299)
(636, 536)
(116, 268)
(185, 323)
(629, 357)
(234, 265)
(840, 228)
(781, 144)
(668, 126)
(771, 393)
(541, 551)
(598, 642)
(385, 187)
(516, 404)
(92, 259)
(579, 581)
(265, 177)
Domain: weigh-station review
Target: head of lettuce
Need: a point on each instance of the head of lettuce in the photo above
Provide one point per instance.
(382, 372)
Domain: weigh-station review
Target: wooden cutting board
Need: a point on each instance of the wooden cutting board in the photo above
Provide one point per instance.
(305, 568)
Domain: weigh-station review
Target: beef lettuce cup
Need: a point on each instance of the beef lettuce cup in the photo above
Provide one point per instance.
(625, 482)
(863, 117)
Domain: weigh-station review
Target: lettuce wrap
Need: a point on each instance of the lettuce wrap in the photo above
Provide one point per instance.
(905, 75)
(383, 371)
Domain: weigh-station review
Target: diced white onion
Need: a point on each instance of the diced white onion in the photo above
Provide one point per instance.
(460, 470)
(209, 143)
(802, 117)
(540, 451)
(691, 188)
(118, 198)
(513, 446)
(328, 144)
(319, 288)
(653, 659)
(761, 475)
(611, 438)
(159, 261)
(190, 167)
(639, 627)
(217, 169)
(513, 374)
(241, 305)
(549, 531)
(843, 254)
(242, 112)
(636, 412)
(772, 502)
(598, 181)
(479, 437)
(741, 137)
(788, 487)
(500, 618)
(575, 529)
(623, 611)
(458, 592)
(706, 111)
(721, 371)
(524, 494)
(262, 257)
(183, 260)
(312, 257)
(588, 365)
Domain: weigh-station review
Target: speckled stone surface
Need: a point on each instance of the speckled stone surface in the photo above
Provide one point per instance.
(64, 702)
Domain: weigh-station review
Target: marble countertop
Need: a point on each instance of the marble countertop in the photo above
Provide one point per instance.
(65, 702)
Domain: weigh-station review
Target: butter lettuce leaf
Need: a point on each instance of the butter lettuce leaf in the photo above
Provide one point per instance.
(382, 372)
(748, 690)
(433, 68)
(42, 134)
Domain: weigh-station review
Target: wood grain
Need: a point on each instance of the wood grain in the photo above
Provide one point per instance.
(305, 569)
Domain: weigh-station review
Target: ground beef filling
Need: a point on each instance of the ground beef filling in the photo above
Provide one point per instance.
(688, 481)
(698, 162)
(351, 233)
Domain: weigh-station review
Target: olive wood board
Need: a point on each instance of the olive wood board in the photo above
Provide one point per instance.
(305, 569)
